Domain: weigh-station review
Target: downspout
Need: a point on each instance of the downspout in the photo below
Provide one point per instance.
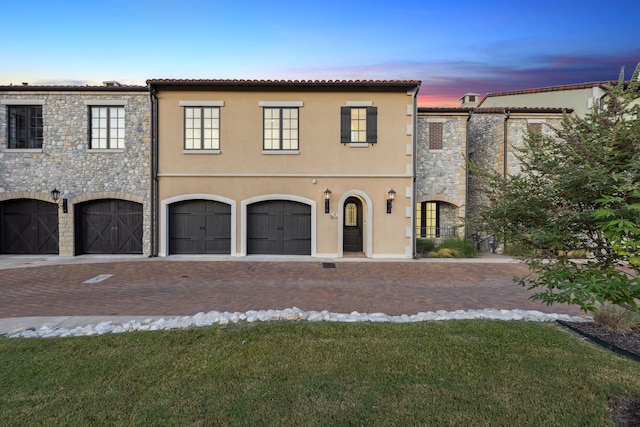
(154, 170)
(414, 194)
(466, 176)
(507, 115)
(505, 164)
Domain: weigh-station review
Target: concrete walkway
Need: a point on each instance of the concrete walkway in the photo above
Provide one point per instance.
(76, 291)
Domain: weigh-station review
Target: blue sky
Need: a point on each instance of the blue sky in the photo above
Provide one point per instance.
(453, 47)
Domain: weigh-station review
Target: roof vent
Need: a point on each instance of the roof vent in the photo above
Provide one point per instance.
(469, 100)
(25, 83)
(112, 83)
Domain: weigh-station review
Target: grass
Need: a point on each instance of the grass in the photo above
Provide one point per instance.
(454, 373)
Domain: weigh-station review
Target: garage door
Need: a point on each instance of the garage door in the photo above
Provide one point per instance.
(109, 227)
(200, 227)
(28, 227)
(279, 227)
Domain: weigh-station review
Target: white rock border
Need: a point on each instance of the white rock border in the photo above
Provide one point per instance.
(288, 314)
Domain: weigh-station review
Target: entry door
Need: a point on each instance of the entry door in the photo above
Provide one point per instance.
(28, 227)
(352, 227)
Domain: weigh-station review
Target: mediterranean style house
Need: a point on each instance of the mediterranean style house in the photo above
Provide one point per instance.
(249, 167)
(74, 170)
(319, 168)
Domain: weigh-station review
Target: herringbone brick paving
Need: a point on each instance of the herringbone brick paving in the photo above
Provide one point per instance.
(160, 287)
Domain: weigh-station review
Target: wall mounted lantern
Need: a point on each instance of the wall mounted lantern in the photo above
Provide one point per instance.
(391, 195)
(327, 198)
(55, 195)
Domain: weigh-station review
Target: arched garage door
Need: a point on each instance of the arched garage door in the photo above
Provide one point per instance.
(28, 227)
(279, 227)
(199, 227)
(109, 227)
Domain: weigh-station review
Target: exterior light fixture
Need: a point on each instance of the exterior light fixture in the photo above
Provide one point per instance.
(55, 196)
(327, 198)
(391, 195)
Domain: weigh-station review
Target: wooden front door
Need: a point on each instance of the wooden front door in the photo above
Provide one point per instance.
(352, 225)
(28, 227)
(109, 227)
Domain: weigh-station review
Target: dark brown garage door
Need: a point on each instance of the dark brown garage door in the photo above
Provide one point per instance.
(109, 227)
(279, 227)
(28, 227)
(200, 227)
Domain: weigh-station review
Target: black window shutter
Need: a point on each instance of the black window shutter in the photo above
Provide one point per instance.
(372, 125)
(345, 125)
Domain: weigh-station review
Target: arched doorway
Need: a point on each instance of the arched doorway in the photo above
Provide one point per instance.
(352, 226)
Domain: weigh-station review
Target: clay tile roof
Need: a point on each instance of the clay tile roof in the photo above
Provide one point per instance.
(504, 110)
(73, 88)
(576, 86)
(284, 83)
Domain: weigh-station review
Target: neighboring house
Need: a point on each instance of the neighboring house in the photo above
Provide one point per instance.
(441, 180)
(447, 193)
(579, 97)
(74, 170)
(247, 167)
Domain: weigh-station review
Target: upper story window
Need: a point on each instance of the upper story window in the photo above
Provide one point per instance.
(359, 125)
(107, 127)
(201, 128)
(281, 128)
(435, 135)
(25, 126)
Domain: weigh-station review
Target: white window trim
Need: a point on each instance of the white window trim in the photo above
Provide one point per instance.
(196, 151)
(211, 103)
(106, 102)
(359, 104)
(286, 152)
(23, 102)
(283, 104)
(435, 120)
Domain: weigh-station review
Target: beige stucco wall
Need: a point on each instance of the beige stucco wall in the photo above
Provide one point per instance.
(243, 172)
(580, 100)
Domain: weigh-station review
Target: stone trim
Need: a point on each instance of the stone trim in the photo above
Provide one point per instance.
(13, 195)
(106, 195)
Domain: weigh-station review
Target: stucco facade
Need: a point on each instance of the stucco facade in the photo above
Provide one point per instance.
(242, 172)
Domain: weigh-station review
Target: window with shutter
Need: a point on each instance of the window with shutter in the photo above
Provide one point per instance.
(359, 125)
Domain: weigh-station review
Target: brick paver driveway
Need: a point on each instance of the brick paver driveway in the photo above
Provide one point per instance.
(160, 287)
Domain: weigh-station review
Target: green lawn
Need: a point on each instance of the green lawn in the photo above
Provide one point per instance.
(462, 373)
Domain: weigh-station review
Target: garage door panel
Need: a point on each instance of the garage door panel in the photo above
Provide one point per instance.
(279, 227)
(200, 227)
(109, 226)
(28, 227)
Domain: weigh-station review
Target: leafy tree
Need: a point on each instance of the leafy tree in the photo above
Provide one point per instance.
(579, 192)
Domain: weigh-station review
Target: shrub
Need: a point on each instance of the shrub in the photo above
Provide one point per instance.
(616, 318)
(424, 246)
(463, 248)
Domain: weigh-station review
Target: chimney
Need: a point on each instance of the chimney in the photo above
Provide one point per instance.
(469, 100)
(25, 83)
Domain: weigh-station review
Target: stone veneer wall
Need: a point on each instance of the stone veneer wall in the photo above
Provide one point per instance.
(486, 146)
(66, 163)
(441, 173)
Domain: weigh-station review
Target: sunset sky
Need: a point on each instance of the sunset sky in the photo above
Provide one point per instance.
(453, 47)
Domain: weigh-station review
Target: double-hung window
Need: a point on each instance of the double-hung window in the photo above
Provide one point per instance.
(25, 126)
(359, 125)
(201, 128)
(281, 131)
(107, 127)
